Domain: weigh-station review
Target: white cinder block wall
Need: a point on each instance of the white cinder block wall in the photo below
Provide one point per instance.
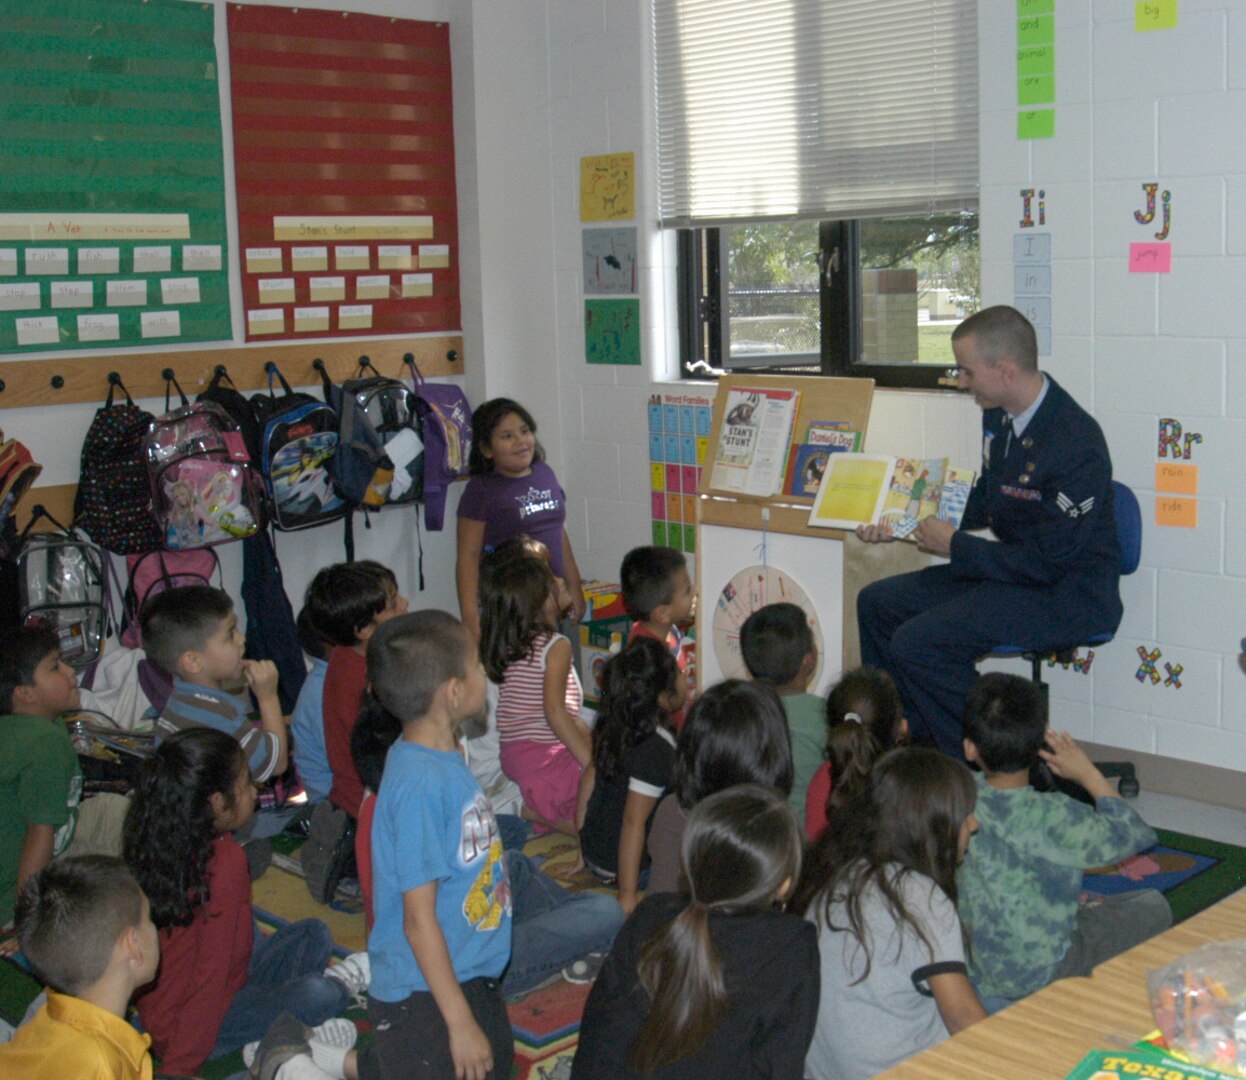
(1164, 106)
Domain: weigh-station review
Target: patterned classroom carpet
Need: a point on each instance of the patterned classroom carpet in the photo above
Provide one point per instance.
(546, 1021)
(1192, 873)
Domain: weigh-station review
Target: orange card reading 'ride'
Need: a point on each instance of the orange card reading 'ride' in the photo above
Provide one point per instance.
(1176, 513)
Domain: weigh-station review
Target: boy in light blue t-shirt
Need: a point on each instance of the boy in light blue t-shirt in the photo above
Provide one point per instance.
(442, 934)
(307, 721)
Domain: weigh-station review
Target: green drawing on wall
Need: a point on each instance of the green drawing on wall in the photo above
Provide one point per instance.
(612, 331)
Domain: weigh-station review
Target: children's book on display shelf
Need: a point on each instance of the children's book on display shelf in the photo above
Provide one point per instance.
(875, 489)
(751, 454)
(807, 461)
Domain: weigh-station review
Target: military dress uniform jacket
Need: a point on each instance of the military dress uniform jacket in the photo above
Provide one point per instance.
(1047, 495)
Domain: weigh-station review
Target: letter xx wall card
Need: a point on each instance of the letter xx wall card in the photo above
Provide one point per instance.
(112, 187)
(344, 152)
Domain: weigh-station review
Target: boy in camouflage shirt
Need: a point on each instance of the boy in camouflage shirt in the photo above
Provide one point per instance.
(1022, 876)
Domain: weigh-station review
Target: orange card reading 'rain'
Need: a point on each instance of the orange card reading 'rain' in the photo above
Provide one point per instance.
(1176, 513)
(1176, 478)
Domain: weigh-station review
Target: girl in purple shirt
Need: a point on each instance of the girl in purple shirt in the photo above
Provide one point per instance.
(511, 492)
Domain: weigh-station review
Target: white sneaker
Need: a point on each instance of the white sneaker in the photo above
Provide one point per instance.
(337, 1032)
(354, 972)
(302, 1067)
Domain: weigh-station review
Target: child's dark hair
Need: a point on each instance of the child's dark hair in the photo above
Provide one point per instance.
(376, 730)
(774, 642)
(169, 829)
(909, 816)
(632, 684)
(180, 620)
(412, 656)
(23, 649)
(736, 733)
(486, 417)
(344, 598)
(648, 578)
(69, 916)
(863, 722)
(311, 641)
(512, 610)
(1006, 720)
(739, 847)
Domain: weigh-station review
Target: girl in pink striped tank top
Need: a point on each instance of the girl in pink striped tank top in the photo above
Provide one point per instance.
(544, 743)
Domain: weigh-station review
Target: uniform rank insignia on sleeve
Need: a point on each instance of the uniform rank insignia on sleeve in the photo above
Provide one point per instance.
(1071, 509)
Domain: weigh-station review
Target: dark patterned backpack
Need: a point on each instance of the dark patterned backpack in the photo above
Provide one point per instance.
(114, 498)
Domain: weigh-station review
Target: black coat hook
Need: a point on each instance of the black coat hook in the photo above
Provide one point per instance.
(318, 364)
(452, 356)
(219, 370)
(114, 378)
(1, 386)
(364, 362)
(168, 373)
(57, 381)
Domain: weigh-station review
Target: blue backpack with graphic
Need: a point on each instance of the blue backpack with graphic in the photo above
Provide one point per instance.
(298, 448)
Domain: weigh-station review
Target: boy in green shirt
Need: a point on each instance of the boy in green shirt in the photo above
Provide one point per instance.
(40, 779)
(777, 645)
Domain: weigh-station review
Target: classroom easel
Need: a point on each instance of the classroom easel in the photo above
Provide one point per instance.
(773, 519)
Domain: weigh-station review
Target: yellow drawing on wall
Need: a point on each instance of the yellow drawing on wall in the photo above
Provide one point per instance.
(607, 187)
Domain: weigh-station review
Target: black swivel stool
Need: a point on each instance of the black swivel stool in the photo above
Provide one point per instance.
(1129, 533)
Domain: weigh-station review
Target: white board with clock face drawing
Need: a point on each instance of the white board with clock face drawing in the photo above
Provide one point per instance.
(735, 581)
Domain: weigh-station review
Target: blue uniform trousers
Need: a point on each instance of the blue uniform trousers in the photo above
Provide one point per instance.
(928, 628)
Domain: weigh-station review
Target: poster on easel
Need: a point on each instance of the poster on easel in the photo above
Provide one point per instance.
(112, 198)
(344, 163)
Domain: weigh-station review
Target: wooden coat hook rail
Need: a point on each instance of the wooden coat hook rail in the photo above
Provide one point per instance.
(35, 382)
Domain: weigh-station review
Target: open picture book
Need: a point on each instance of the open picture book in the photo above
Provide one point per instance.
(875, 489)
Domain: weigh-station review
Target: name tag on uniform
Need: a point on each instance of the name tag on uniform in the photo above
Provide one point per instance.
(1028, 494)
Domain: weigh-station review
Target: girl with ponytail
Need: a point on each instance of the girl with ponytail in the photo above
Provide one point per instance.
(719, 981)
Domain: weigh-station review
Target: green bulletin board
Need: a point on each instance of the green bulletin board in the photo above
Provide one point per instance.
(112, 195)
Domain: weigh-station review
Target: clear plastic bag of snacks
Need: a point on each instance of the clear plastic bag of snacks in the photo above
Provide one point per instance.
(1199, 1003)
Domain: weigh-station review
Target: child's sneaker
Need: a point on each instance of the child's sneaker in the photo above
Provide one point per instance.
(355, 973)
(586, 969)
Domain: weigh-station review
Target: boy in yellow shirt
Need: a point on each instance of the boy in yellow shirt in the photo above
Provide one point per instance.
(85, 926)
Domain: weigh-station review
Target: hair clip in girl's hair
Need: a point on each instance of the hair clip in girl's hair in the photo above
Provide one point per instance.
(854, 717)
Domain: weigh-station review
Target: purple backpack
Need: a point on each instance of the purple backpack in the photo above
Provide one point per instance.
(446, 428)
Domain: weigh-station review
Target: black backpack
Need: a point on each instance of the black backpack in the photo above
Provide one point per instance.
(239, 408)
(298, 443)
(389, 407)
(114, 497)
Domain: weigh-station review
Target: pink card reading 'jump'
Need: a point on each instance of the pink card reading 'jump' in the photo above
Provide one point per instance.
(1150, 258)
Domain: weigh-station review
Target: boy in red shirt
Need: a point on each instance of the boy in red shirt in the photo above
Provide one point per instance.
(657, 591)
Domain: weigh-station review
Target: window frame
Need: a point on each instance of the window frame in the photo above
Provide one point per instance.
(703, 314)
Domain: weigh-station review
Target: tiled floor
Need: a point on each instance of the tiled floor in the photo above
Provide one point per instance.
(1194, 818)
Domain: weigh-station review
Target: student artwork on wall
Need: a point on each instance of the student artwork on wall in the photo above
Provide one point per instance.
(112, 198)
(609, 261)
(679, 428)
(607, 187)
(349, 118)
(612, 331)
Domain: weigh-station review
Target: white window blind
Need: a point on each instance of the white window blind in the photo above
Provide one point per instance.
(815, 108)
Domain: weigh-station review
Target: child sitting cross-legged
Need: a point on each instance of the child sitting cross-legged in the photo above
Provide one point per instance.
(778, 648)
(41, 814)
(192, 633)
(1020, 884)
(657, 592)
(85, 926)
(220, 984)
(633, 756)
(442, 936)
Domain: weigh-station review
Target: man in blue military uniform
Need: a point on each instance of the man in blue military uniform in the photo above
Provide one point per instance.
(1045, 491)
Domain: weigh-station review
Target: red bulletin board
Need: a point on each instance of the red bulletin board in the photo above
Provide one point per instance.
(344, 152)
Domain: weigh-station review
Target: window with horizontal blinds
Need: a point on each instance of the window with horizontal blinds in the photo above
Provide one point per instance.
(814, 108)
